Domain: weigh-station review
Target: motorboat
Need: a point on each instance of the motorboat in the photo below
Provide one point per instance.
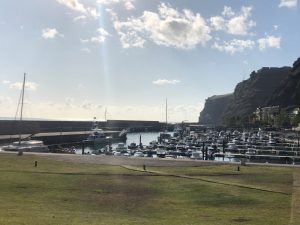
(251, 151)
(133, 146)
(196, 155)
(26, 146)
(164, 137)
(97, 136)
(232, 146)
(138, 154)
(121, 147)
(272, 141)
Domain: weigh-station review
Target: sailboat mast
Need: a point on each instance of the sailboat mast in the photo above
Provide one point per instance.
(166, 114)
(22, 103)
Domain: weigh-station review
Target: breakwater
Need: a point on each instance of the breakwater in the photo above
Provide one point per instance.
(54, 132)
(11, 127)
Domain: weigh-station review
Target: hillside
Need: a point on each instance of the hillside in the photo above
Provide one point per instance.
(252, 93)
(214, 108)
(288, 92)
(255, 92)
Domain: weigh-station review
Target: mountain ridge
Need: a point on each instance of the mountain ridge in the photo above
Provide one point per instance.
(267, 86)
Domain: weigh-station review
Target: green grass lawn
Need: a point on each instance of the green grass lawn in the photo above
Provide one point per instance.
(65, 193)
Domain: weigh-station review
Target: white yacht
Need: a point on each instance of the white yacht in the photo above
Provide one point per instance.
(98, 137)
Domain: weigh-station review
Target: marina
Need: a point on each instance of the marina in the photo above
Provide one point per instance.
(186, 141)
(205, 146)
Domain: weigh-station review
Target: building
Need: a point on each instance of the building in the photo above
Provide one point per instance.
(296, 111)
(267, 115)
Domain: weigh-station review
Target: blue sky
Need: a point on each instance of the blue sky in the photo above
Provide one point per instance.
(128, 56)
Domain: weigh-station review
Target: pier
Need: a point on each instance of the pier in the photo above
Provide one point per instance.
(55, 137)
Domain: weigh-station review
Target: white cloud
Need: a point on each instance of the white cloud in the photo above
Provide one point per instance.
(217, 23)
(112, 13)
(82, 17)
(28, 85)
(288, 3)
(128, 4)
(228, 12)
(232, 22)
(168, 27)
(102, 34)
(165, 82)
(79, 7)
(234, 46)
(131, 39)
(50, 33)
(269, 42)
(5, 82)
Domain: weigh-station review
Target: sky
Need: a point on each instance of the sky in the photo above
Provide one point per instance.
(126, 57)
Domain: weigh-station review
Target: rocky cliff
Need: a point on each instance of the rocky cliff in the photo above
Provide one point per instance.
(214, 109)
(255, 92)
(249, 95)
(288, 92)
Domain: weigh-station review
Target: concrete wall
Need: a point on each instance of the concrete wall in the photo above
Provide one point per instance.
(9, 127)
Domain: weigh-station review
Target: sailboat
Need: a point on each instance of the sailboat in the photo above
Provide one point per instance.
(165, 136)
(25, 145)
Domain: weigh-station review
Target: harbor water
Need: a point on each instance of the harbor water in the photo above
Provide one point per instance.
(146, 138)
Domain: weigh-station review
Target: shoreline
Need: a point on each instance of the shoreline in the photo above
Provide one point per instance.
(136, 161)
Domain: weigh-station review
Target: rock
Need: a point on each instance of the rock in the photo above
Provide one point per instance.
(288, 92)
(214, 109)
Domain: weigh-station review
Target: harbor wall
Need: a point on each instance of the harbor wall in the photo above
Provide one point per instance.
(11, 127)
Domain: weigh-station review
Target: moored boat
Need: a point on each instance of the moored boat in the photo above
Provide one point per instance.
(27, 146)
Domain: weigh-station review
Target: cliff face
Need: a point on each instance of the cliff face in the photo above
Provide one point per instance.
(214, 109)
(288, 92)
(255, 91)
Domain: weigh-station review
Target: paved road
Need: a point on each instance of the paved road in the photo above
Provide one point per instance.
(136, 161)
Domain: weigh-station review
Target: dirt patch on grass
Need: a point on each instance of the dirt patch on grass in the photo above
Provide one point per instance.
(241, 220)
(118, 193)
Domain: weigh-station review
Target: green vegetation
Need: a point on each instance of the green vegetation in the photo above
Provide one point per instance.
(67, 193)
